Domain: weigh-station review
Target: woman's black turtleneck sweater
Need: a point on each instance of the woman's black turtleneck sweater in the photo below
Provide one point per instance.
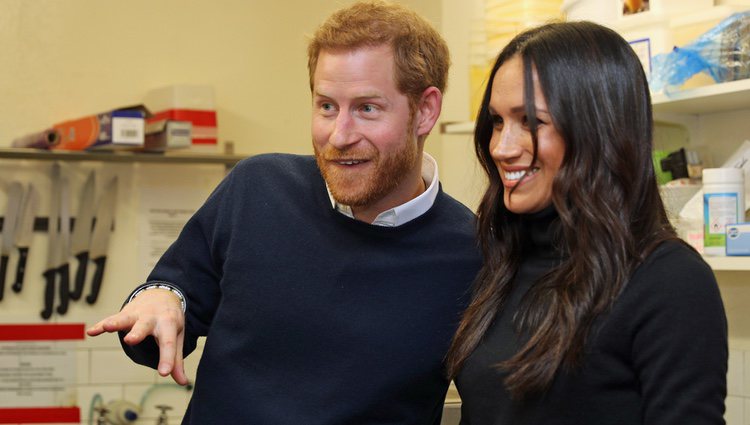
(658, 357)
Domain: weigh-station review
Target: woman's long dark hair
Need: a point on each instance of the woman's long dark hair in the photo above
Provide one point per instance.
(611, 215)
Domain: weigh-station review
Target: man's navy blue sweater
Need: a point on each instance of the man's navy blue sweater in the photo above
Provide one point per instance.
(312, 317)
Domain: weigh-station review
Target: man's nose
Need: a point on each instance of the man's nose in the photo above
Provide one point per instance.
(343, 133)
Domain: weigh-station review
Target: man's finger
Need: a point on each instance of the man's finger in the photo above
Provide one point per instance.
(178, 372)
(95, 330)
(166, 337)
(139, 331)
(114, 323)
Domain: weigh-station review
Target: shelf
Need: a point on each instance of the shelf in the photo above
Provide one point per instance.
(120, 156)
(731, 96)
(728, 263)
(457, 127)
(722, 97)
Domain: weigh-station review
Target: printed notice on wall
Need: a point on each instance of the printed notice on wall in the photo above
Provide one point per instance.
(38, 370)
(164, 212)
(37, 373)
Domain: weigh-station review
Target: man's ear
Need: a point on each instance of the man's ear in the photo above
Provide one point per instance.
(428, 110)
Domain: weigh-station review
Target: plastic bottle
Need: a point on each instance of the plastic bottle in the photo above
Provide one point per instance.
(723, 204)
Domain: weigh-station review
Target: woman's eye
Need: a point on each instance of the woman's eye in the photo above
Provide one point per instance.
(527, 123)
(497, 121)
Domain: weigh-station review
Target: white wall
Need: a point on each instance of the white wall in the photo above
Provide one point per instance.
(459, 170)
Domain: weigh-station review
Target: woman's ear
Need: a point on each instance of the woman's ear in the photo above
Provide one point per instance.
(428, 110)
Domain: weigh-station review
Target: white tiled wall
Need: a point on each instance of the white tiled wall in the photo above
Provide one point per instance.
(104, 370)
(738, 387)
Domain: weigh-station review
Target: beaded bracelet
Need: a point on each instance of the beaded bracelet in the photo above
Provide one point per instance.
(161, 285)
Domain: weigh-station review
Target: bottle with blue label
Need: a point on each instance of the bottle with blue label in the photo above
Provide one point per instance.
(723, 204)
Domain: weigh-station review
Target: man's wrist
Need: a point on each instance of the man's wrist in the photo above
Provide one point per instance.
(160, 285)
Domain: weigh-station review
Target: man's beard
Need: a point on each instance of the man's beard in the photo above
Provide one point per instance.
(356, 190)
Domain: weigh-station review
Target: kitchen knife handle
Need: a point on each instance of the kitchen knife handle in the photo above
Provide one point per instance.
(96, 281)
(49, 292)
(64, 271)
(23, 252)
(83, 262)
(3, 268)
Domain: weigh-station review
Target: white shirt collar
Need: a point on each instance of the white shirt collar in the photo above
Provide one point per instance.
(408, 211)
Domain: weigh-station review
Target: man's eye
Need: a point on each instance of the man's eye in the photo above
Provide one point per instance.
(326, 107)
(368, 108)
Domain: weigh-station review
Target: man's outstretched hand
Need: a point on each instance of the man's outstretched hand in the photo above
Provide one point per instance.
(156, 312)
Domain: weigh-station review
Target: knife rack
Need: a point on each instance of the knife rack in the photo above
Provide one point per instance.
(41, 224)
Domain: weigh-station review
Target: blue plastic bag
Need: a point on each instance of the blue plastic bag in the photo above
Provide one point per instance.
(723, 52)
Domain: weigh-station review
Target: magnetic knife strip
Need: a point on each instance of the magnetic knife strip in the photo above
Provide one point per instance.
(41, 224)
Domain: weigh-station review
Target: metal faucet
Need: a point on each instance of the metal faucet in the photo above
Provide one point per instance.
(102, 412)
(163, 418)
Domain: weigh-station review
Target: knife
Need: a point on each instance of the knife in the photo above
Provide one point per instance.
(79, 244)
(15, 195)
(64, 246)
(105, 215)
(24, 232)
(53, 249)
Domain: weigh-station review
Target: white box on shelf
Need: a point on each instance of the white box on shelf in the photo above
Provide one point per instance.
(738, 239)
(192, 103)
(599, 11)
(678, 7)
(609, 11)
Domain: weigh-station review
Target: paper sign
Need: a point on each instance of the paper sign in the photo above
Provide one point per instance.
(38, 372)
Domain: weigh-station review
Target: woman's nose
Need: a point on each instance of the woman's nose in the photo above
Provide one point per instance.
(506, 144)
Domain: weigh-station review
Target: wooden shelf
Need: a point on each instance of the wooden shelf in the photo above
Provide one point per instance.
(120, 156)
(457, 127)
(731, 96)
(728, 263)
(713, 98)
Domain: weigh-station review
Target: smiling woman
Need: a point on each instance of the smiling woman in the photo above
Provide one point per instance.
(588, 307)
(527, 169)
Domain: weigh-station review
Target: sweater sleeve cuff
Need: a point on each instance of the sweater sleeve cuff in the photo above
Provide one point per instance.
(159, 285)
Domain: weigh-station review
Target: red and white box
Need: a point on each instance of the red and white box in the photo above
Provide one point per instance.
(191, 103)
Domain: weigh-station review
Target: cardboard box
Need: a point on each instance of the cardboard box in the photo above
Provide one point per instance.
(738, 239)
(163, 135)
(192, 103)
(115, 129)
(204, 132)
